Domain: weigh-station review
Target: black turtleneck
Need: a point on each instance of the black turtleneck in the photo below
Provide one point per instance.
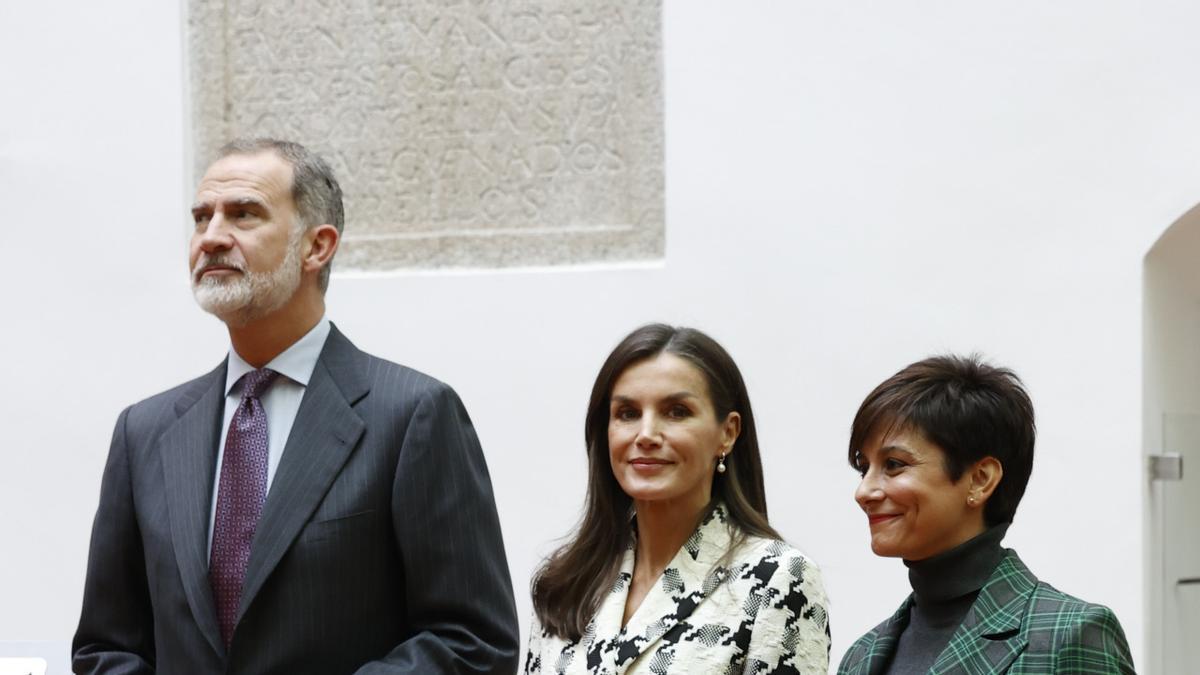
(944, 588)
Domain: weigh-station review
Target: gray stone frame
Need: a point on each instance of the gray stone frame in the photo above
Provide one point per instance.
(468, 133)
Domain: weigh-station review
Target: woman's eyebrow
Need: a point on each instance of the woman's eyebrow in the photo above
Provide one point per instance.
(897, 449)
(677, 396)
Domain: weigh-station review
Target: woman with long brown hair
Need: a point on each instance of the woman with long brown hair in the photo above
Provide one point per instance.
(674, 567)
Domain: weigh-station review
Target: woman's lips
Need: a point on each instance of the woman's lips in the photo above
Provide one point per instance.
(881, 518)
(648, 464)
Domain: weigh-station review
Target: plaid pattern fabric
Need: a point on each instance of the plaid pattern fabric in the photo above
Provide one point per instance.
(1017, 625)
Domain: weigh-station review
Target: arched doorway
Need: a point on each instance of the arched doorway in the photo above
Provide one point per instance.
(1171, 439)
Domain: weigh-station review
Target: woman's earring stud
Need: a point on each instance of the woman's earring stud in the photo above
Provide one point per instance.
(721, 464)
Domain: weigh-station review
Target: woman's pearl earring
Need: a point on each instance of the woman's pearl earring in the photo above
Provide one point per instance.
(721, 464)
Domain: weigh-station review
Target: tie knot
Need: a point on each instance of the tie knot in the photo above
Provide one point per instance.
(255, 382)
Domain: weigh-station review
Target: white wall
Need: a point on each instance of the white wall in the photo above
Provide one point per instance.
(851, 186)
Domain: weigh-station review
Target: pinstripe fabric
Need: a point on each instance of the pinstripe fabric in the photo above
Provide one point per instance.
(1017, 625)
(378, 549)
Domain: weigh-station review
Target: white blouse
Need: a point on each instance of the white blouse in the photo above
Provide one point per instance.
(762, 612)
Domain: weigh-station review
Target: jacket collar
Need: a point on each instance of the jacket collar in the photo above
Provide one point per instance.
(326, 431)
(189, 457)
(993, 626)
(688, 580)
(872, 654)
(324, 434)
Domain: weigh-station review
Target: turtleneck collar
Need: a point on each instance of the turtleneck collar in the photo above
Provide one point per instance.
(961, 570)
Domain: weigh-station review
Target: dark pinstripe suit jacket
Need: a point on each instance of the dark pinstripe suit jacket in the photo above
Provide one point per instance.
(378, 549)
(1017, 625)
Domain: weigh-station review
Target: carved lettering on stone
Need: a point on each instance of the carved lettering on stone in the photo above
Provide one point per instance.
(468, 133)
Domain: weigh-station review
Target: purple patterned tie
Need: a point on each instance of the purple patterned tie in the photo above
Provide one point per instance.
(240, 497)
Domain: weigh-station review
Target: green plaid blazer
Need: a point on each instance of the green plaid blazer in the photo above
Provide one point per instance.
(1017, 625)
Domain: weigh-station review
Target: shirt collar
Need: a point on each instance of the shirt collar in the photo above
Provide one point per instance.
(295, 363)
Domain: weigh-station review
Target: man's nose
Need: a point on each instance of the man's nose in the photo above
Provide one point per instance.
(216, 235)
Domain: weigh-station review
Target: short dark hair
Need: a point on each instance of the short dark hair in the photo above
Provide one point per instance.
(568, 588)
(968, 408)
(315, 191)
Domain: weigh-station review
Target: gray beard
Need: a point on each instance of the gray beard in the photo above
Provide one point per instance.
(250, 295)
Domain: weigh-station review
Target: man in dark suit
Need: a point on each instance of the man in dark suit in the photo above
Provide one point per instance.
(305, 507)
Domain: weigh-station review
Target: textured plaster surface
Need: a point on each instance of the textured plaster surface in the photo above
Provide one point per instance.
(474, 133)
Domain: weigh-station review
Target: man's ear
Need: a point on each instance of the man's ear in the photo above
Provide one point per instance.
(320, 243)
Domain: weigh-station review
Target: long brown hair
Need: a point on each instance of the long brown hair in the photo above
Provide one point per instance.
(571, 583)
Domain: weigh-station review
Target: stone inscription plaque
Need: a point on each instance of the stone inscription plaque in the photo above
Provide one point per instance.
(470, 133)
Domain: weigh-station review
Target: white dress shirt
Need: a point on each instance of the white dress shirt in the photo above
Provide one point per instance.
(281, 401)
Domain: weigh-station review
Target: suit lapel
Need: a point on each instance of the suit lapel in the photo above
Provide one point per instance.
(991, 635)
(684, 584)
(874, 653)
(189, 457)
(324, 434)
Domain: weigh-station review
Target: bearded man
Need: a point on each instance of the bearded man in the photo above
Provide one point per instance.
(305, 507)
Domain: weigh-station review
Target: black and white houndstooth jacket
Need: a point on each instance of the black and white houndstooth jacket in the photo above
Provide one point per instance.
(762, 613)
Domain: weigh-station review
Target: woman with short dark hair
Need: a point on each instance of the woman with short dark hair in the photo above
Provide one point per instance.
(674, 567)
(945, 449)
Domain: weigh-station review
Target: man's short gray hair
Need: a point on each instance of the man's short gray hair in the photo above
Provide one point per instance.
(315, 191)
